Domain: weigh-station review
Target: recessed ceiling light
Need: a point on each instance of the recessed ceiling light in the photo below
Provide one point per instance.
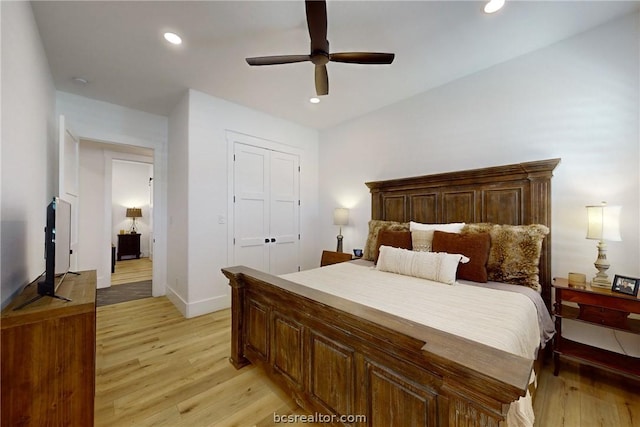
(493, 6)
(314, 100)
(173, 38)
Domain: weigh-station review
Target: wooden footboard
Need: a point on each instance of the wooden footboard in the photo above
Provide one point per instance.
(342, 359)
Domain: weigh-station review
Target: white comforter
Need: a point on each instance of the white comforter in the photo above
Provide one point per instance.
(504, 320)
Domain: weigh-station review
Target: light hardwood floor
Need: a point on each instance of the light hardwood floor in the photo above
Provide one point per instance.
(132, 270)
(156, 368)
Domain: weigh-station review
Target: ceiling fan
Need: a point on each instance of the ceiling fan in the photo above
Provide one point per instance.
(317, 23)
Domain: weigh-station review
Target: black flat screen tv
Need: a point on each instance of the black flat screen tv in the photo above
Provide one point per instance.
(57, 246)
(57, 250)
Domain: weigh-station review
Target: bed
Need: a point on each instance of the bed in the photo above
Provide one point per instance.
(342, 359)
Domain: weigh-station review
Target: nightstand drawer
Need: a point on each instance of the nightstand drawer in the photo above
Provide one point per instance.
(603, 316)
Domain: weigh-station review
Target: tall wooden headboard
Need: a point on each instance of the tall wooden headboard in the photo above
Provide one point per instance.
(512, 194)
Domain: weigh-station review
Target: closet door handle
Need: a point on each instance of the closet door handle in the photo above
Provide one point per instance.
(273, 240)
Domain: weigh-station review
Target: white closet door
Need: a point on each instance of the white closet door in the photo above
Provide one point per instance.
(251, 207)
(266, 209)
(285, 192)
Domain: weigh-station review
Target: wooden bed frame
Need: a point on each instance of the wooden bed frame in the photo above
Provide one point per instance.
(340, 358)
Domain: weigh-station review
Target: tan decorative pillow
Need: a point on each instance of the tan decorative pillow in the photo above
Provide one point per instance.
(472, 245)
(515, 250)
(375, 225)
(394, 239)
(421, 240)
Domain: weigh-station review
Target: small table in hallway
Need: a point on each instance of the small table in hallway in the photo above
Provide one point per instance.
(128, 245)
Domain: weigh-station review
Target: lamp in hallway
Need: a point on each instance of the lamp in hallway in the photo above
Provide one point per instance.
(134, 213)
(340, 218)
(604, 225)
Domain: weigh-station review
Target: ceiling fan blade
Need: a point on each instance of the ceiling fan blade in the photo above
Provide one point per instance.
(317, 23)
(362, 57)
(322, 80)
(277, 59)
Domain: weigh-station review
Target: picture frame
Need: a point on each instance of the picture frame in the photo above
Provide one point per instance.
(626, 285)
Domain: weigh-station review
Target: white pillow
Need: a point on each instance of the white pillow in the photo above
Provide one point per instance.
(436, 266)
(452, 227)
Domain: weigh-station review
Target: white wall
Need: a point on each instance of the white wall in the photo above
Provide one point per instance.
(209, 119)
(177, 208)
(577, 100)
(29, 148)
(104, 122)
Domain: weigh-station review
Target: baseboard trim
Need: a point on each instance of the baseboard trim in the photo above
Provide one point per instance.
(198, 308)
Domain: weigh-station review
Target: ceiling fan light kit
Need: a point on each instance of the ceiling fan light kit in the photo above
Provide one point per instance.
(173, 38)
(320, 56)
(493, 6)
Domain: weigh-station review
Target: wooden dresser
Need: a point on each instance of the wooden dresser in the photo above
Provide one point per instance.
(49, 356)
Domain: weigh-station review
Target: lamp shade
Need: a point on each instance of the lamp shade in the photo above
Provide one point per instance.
(341, 216)
(134, 213)
(604, 222)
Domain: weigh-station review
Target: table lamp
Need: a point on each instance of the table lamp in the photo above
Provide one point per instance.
(134, 213)
(604, 224)
(340, 218)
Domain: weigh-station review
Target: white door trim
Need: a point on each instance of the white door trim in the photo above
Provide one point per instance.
(109, 157)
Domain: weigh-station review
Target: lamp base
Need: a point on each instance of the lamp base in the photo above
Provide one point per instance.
(133, 229)
(339, 247)
(601, 282)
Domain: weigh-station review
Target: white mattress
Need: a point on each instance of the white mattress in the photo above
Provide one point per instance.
(504, 320)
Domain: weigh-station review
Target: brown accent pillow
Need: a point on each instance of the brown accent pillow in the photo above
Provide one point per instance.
(395, 239)
(515, 252)
(370, 252)
(474, 246)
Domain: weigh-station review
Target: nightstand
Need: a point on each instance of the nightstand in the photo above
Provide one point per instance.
(330, 257)
(128, 245)
(600, 307)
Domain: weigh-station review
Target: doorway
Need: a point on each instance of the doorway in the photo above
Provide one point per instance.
(117, 180)
(132, 225)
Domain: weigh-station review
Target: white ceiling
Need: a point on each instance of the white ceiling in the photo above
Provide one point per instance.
(118, 47)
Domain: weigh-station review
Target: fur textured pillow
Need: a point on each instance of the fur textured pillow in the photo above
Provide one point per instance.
(375, 225)
(515, 252)
(472, 245)
(394, 239)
